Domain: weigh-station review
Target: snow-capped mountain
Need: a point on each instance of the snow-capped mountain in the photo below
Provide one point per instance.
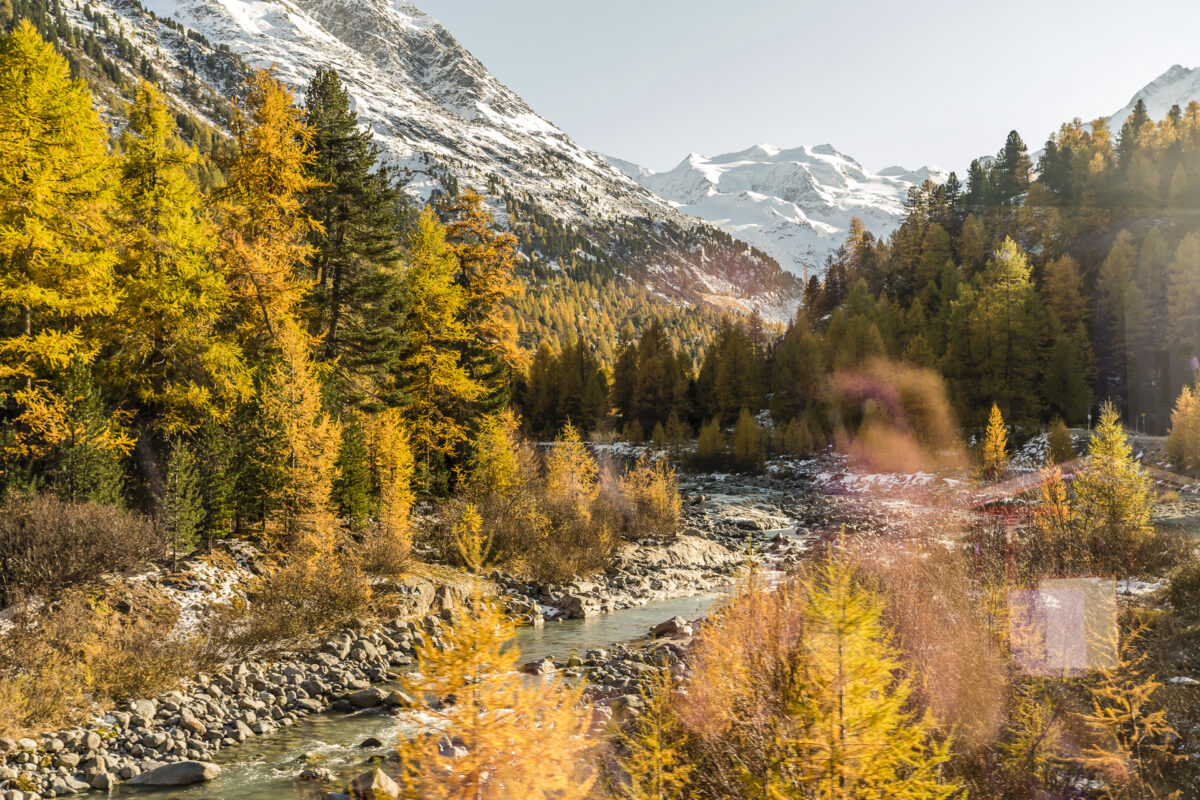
(442, 118)
(795, 204)
(1177, 86)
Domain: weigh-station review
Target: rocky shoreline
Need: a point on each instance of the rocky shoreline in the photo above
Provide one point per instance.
(171, 739)
(640, 574)
(168, 740)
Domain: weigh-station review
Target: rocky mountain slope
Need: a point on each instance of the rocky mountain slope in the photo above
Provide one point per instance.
(445, 121)
(794, 204)
(1177, 86)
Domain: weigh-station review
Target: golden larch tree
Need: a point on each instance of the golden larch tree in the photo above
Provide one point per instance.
(487, 272)
(1114, 497)
(1130, 741)
(1183, 440)
(167, 349)
(262, 209)
(391, 461)
(292, 402)
(653, 760)
(861, 738)
(56, 268)
(436, 382)
(995, 444)
(571, 475)
(494, 465)
(504, 737)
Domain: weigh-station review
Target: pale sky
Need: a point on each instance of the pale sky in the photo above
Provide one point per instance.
(907, 82)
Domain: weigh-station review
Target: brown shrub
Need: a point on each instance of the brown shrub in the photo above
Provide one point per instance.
(47, 545)
(385, 552)
(307, 597)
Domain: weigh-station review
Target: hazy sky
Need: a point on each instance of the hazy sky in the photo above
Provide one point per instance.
(909, 81)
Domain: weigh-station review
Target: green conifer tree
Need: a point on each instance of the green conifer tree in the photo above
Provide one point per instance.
(352, 486)
(182, 509)
(86, 461)
(359, 210)
(214, 479)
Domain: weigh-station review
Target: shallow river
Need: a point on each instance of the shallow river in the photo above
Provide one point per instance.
(266, 767)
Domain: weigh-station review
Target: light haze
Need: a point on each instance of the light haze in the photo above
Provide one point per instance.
(909, 83)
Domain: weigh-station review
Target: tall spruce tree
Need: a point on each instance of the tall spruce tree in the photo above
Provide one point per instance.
(352, 485)
(182, 510)
(215, 479)
(359, 211)
(1011, 171)
(90, 443)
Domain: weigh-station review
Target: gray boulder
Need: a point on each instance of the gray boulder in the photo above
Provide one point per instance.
(671, 627)
(367, 698)
(398, 700)
(543, 667)
(189, 723)
(181, 773)
(373, 785)
(104, 781)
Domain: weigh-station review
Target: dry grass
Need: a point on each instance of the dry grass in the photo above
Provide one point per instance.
(302, 599)
(79, 653)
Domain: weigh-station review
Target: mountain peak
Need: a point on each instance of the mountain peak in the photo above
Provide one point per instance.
(794, 204)
(442, 119)
(1178, 85)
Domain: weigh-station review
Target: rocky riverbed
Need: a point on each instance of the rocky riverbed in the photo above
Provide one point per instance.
(172, 739)
(169, 740)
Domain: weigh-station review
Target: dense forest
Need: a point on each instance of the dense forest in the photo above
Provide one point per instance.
(1045, 290)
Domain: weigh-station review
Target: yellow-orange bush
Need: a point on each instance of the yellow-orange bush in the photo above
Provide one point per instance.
(650, 491)
(387, 545)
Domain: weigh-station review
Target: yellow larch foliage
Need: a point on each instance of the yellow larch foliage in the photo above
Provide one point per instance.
(494, 466)
(651, 488)
(653, 762)
(1114, 497)
(262, 208)
(436, 381)
(1058, 548)
(392, 465)
(311, 438)
(516, 739)
(1130, 736)
(865, 740)
(56, 272)
(798, 692)
(743, 669)
(571, 474)
(473, 545)
(995, 444)
(1183, 440)
(169, 352)
(487, 272)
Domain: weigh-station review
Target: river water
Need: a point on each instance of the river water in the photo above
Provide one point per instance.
(265, 767)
